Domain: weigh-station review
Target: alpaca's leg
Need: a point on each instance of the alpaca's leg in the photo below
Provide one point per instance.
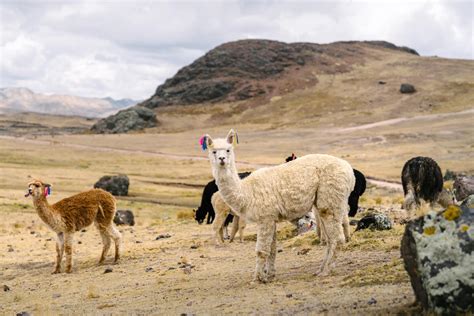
(217, 226)
(319, 228)
(242, 224)
(68, 239)
(345, 225)
(270, 265)
(106, 241)
(235, 228)
(265, 234)
(332, 225)
(59, 252)
(117, 237)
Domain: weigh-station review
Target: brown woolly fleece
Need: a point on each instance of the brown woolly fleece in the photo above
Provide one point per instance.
(73, 214)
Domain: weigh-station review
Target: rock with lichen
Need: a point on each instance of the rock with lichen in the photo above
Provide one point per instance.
(438, 252)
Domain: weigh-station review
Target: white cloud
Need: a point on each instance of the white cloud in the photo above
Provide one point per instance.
(126, 48)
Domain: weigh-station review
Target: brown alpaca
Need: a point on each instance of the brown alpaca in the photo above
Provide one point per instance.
(73, 214)
(222, 210)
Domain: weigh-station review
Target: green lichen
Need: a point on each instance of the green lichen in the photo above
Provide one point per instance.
(429, 230)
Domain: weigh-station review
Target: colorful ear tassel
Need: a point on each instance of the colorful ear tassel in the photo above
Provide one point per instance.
(203, 142)
(47, 191)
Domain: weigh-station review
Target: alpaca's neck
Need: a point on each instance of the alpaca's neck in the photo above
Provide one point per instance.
(44, 210)
(230, 187)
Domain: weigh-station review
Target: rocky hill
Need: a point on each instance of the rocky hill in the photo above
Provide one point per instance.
(25, 100)
(249, 68)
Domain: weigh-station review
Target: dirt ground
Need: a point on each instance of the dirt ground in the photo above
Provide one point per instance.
(188, 273)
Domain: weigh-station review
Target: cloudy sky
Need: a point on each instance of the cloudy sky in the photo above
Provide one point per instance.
(125, 49)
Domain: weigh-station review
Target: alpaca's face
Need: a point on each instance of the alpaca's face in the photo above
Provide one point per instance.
(221, 151)
(36, 189)
(221, 154)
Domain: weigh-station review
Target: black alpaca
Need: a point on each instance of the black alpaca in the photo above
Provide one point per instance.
(421, 179)
(359, 189)
(206, 208)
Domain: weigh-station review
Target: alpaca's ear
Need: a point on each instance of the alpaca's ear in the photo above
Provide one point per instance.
(232, 137)
(206, 142)
(47, 185)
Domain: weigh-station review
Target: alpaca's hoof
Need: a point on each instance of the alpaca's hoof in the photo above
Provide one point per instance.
(69, 270)
(56, 271)
(117, 260)
(348, 239)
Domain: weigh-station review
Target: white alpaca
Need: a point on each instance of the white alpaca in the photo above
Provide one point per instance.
(283, 192)
(222, 210)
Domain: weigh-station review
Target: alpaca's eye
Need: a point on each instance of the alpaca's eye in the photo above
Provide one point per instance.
(214, 152)
(228, 150)
(37, 185)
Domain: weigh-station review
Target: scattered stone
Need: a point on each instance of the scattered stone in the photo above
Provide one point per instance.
(372, 301)
(374, 222)
(117, 185)
(303, 251)
(194, 246)
(83, 231)
(306, 223)
(463, 187)
(171, 268)
(202, 256)
(56, 295)
(32, 232)
(79, 242)
(382, 82)
(452, 175)
(124, 217)
(10, 249)
(23, 314)
(163, 236)
(149, 269)
(437, 252)
(134, 118)
(280, 250)
(6, 288)
(49, 239)
(189, 304)
(108, 270)
(138, 242)
(407, 88)
(353, 222)
(187, 270)
(289, 295)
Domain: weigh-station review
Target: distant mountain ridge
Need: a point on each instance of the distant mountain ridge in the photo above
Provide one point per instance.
(25, 100)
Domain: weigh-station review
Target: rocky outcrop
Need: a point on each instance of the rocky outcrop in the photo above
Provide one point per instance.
(246, 69)
(463, 187)
(117, 185)
(131, 119)
(407, 88)
(437, 250)
(124, 217)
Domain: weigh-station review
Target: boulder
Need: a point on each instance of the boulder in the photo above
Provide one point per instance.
(117, 185)
(131, 119)
(407, 88)
(374, 222)
(463, 187)
(124, 217)
(437, 250)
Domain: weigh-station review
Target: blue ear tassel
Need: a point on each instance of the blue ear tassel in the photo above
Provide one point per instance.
(203, 143)
(49, 190)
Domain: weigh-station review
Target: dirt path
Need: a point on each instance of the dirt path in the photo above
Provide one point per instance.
(403, 119)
